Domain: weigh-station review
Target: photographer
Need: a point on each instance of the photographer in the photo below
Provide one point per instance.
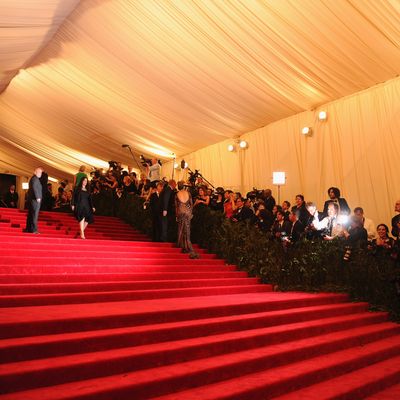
(202, 198)
(153, 171)
(356, 235)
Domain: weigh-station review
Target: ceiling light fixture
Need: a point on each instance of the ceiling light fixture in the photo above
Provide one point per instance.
(306, 130)
(243, 144)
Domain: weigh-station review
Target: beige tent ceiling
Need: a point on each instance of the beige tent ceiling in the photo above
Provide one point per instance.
(175, 75)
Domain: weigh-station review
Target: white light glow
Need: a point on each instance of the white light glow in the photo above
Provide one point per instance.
(231, 147)
(186, 165)
(306, 130)
(176, 165)
(322, 115)
(51, 179)
(243, 144)
(278, 178)
(25, 185)
(343, 219)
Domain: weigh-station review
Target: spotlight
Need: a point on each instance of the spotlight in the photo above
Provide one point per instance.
(231, 147)
(278, 178)
(25, 185)
(322, 115)
(306, 130)
(243, 144)
(176, 165)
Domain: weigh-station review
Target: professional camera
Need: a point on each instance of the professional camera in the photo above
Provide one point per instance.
(146, 162)
(193, 176)
(114, 165)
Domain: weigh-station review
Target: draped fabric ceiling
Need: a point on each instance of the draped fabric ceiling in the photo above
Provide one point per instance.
(175, 76)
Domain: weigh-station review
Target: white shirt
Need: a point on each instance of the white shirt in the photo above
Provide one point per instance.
(154, 172)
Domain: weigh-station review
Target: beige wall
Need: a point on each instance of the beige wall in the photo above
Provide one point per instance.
(357, 149)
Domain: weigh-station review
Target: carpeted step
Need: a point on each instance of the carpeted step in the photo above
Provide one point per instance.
(53, 274)
(95, 297)
(76, 254)
(20, 349)
(42, 288)
(34, 239)
(279, 380)
(133, 260)
(44, 320)
(353, 385)
(86, 245)
(280, 350)
(237, 371)
(390, 393)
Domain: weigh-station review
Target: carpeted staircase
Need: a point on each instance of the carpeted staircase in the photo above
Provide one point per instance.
(118, 317)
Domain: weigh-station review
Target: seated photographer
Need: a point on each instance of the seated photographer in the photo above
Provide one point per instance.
(229, 203)
(264, 218)
(275, 209)
(286, 209)
(11, 197)
(329, 226)
(242, 213)
(281, 227)
(383, 240)
(297, 228)
(334, 197)
(202, 198)
(313, 224)
(356, 235)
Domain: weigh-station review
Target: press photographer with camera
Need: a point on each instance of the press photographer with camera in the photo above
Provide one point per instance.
(153, 170)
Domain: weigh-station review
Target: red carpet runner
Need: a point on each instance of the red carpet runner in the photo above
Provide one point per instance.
(116, 317)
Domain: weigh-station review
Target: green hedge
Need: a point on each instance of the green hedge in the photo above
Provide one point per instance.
(307, 266)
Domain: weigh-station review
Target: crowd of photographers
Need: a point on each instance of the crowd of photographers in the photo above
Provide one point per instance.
(285, 222)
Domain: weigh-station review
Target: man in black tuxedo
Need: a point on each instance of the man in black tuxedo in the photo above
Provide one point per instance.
(281, 227)
(155, 209)
(167, 202)
(242, 213)
(34, 199)
(297, 228)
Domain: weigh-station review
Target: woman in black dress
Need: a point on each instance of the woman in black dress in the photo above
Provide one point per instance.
(82, 206)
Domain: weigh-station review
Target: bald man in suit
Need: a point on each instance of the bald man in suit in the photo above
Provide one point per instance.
(34, 200)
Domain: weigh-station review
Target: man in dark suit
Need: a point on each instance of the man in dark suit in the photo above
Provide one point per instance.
(242, 213)
(297, 228)
(34, 199)
(167, 202)
(155, 209)
(11, 197)
(281, 227)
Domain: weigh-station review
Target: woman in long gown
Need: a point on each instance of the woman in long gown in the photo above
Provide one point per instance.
(82, 206)
(184, 214)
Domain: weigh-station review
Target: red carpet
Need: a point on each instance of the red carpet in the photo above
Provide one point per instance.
(112, 317)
